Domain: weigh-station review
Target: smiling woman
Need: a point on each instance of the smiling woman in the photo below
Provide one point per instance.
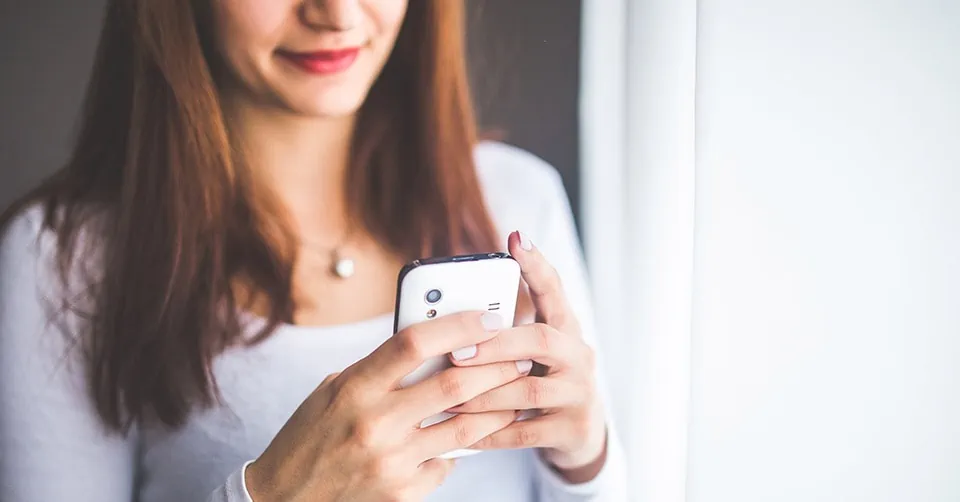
(232, 156)
(323, 70)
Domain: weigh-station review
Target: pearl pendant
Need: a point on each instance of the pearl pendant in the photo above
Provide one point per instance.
(343, 267)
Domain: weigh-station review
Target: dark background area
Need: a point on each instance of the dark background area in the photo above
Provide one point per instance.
(524, 59)
(525, 67)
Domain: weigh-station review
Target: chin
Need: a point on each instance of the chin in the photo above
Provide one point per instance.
(328, 106)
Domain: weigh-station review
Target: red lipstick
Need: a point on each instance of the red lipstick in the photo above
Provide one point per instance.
(322, 62)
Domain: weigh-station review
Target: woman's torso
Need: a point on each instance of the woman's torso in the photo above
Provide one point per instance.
(261, 386)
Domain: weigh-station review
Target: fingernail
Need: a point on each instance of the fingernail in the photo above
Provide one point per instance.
(525, 415)
(465, 353)
(491, 321)
(524, 366)
(525, 243)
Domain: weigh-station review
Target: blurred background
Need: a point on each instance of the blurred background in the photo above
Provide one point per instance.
(768, 197)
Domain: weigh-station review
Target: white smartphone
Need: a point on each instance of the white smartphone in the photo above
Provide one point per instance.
(435, 287)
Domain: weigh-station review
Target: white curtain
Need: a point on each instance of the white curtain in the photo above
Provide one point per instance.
(801, 342)
(637, 144)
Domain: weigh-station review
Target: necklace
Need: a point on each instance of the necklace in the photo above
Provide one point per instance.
(341, 265)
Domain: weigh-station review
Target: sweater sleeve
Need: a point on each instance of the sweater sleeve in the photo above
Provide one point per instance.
(235, 489)
(556, 237)
(53, 445)
(52, 442)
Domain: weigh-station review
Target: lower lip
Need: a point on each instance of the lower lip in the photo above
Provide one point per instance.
(326, 64)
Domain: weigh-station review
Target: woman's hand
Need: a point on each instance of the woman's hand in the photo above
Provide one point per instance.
(357, 436)
(571, 427)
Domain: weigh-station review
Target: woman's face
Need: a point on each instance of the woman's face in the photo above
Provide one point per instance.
(313, 57)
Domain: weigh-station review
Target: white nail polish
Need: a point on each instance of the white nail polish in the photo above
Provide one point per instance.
(525, 415)
(524, 366)
(465, 353)
(525, 243)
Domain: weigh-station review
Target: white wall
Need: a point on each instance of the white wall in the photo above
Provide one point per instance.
(826, 338)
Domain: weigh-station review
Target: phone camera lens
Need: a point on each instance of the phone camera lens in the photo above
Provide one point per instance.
(433, 296)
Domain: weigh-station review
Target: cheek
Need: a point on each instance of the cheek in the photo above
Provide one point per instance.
(248, 28)
(386, 15)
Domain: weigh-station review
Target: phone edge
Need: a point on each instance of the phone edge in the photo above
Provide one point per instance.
(407, 268)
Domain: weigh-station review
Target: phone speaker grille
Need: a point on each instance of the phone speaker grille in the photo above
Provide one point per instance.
(493, 306)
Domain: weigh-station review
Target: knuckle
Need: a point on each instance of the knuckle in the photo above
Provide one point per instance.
(410, 344)
(534, 392)
(487, 442)
(463, 435)
(506, 372)
(527, 437)
(543, 335)
(346, 392)
(451, 385)
(330, 379)
(367, 432)
(482, 402)
(382, 468)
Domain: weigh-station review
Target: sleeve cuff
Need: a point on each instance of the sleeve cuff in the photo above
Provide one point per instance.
(235, 489)
(553, 484)
(608, 485)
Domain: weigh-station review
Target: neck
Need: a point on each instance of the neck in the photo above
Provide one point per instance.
(301, 161)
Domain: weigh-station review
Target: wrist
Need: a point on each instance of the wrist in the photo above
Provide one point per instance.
(254, 482)
(581, 467)
(589, 441)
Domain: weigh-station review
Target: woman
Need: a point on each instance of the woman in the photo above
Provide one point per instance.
(198, 305)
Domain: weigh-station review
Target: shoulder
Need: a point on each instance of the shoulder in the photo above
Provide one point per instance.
(27, 285)
(29, 254)
(508, 169)
(22, 239)
(510, 165)
(28, 257)
(522, 190)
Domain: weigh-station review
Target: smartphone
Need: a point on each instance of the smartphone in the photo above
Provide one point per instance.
(434, 287)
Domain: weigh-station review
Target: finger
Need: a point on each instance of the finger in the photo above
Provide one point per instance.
(545, 431)
(452, 387)
(405, 351)
(330, 378)
(527, 393)
(459, 432)
(430, 475)
(538, 342)
(543, 280)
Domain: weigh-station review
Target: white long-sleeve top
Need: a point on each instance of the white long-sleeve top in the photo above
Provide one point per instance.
(53, 446)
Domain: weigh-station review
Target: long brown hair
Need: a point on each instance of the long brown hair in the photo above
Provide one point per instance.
(155, 182)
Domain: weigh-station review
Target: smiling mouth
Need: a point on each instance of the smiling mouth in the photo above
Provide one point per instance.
(322, 62)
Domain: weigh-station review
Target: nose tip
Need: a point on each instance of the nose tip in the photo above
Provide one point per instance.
(335, 15)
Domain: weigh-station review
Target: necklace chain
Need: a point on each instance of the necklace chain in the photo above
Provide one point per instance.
(341, 266)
